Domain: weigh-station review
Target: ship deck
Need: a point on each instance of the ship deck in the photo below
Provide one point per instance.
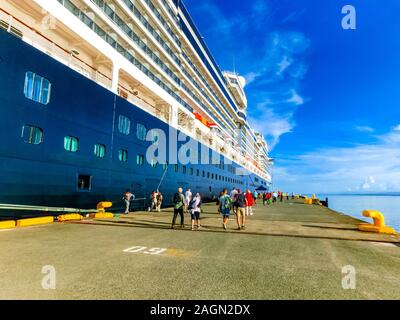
(288, 251)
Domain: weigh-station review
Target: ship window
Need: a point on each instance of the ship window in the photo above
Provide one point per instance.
(176, 168)
(123, 155)
(71, 144)
(141, 132)
(32, 134)
(191, 171)
(100, 150)
(212, 176)
(204, 174)
(124, 125)
(84, 182)
(208, 175)
(184, 169)
(140, 159)
(37, 88)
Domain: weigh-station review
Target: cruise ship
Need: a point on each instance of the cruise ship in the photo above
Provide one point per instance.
(86, 85)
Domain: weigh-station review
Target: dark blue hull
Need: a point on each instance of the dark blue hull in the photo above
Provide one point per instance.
(46, 174)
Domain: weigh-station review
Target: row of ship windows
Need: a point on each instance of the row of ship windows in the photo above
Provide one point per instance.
(34, 135)
(38, 89)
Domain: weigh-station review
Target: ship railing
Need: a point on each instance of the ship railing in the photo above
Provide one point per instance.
(160, 112)
(136, 204)
(51, 48)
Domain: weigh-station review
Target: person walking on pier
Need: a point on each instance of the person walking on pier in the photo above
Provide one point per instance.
(233, 195)
(225, 205)
(255, 196)
(159, 201)
(179, 203)
(188, 198)
(274, 197)
(241, 203)
(249, 203)
(128, 197)
(194, 209)
(267, 198)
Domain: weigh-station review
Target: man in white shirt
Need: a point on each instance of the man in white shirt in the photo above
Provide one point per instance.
(188, 198)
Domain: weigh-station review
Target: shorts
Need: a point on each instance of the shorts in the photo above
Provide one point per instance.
(240, 212)
(195, 215)
(226, 213)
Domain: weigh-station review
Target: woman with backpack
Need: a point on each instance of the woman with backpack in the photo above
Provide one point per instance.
(194, 209)
(225, 206)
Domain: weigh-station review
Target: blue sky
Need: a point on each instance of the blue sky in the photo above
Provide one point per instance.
(327, 99)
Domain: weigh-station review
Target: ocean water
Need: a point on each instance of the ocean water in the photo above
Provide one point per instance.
(354, 205)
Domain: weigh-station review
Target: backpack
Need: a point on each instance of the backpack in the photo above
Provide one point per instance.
(177, 198)
(227, 203)
(240, 200)
(191, 204)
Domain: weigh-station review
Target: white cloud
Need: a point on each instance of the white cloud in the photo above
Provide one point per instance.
(397, 128)
(272, 125)
(251, 76)
(373, 167)
(283, 65)
(295, 98)
(365, 129)
(277, 81)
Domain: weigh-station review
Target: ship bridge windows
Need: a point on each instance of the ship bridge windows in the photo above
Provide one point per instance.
(100, 150)
(124, 125)
(71, 144)
(32, 135)
(37, 88)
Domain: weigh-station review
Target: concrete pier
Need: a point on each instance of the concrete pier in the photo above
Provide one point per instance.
(287, 251)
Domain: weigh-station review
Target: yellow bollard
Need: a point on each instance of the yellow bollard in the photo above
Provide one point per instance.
(69, 217)
(379, 223)
(102, 214)
(34, 221)
(9, 224)
(101, 206)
